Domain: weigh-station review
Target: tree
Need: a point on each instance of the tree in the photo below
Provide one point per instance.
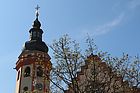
(69, 60)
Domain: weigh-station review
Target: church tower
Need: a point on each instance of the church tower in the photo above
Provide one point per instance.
(33, 65)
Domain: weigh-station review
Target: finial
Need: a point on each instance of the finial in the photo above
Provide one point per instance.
(37, 11)
(36, 23)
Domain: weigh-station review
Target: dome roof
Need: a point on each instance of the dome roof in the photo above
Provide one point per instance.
(35, 45)
(35, 42)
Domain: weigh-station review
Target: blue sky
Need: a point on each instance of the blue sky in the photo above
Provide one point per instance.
(114, 24)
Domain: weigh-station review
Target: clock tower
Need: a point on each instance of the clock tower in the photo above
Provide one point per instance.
(33, 65)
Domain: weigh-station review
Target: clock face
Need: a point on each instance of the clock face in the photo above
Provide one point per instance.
(39, 86)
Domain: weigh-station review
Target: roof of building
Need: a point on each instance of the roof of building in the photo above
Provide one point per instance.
(35, 42)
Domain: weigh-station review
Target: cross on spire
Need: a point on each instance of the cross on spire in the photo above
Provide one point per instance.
(37, 11)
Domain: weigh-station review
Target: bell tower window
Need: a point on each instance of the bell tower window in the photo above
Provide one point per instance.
(27, 72)
(39, 71)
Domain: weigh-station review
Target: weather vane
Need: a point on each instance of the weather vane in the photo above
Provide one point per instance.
(37, 11)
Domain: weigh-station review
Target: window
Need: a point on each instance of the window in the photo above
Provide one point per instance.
(39, 71)
(38, 34)
(18, 75)
(27, 72)
(34, 34)
(25, 89)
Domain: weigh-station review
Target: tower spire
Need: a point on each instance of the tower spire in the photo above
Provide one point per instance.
(33, 62)
(36, 23)
(35, 42)
(37, 11)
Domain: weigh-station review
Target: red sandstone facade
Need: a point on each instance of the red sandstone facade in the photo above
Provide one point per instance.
(105, 81)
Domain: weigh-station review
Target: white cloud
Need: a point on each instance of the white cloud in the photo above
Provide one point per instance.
(130, 6)
(105, 28)
(134, 4)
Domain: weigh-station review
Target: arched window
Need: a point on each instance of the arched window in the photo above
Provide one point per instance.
(39, 71)
(27, 72)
